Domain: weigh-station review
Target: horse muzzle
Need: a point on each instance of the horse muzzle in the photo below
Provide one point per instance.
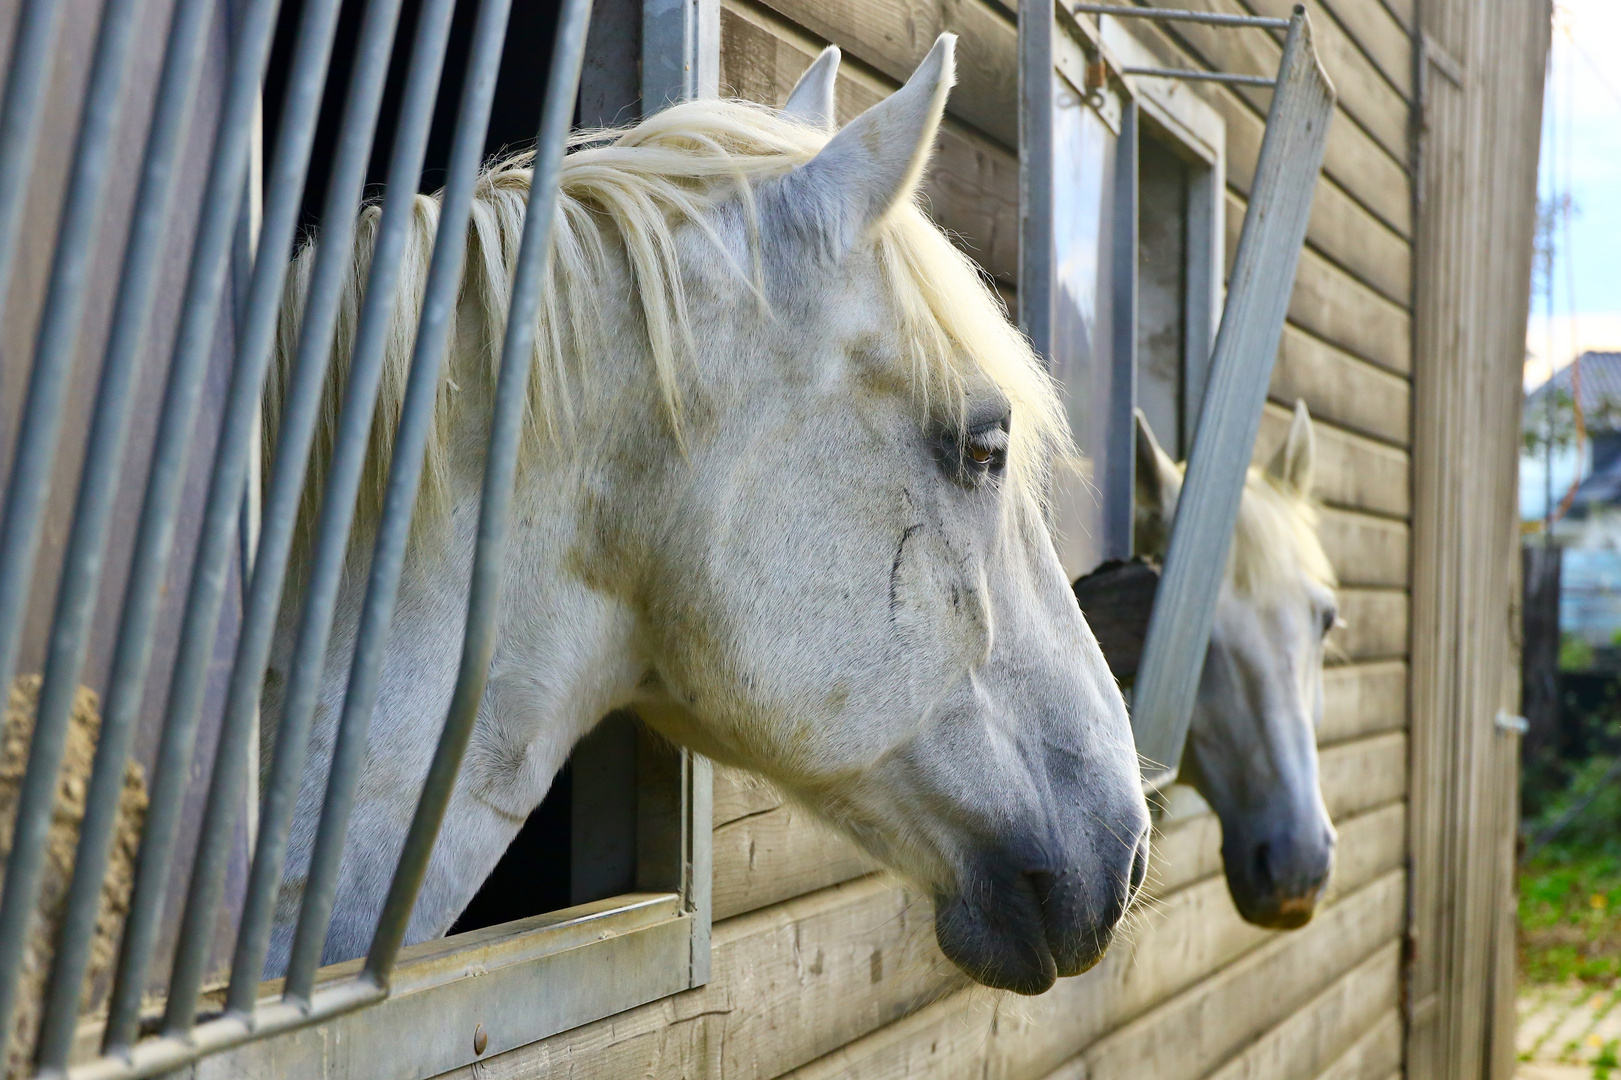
(1019, 924)
(1277, 881)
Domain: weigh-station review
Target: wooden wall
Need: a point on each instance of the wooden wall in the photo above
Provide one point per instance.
(823, 968)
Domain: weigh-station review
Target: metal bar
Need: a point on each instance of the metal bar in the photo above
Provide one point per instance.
(383, 1036)
(87, 545)
(29, 489)
(1038, 259)
(350, 445)
(1209, 18)
(165, 1054)
(333, 260)
(1120, 430)
(204, 296)
(31, 52)
(1246, 345)
(404, 479)
(680, 51)
(506, 430)
(1200, 76)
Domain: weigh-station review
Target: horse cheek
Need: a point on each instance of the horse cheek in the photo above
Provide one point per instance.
(937, 612)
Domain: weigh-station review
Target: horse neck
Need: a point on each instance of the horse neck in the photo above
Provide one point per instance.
(565, 652)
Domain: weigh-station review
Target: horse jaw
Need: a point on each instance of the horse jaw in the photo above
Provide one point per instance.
(1253, 755)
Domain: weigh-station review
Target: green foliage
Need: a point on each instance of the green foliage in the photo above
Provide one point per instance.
(1549, 421)
(1570, 920)
(1575, 654)
(1606, 1060)
(1596, 829)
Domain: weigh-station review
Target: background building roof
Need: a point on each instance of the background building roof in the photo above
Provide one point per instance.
(1601, 385)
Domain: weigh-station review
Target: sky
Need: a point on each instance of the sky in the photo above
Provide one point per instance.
(1581, 153)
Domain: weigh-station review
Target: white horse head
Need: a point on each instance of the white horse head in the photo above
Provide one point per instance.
(1252, 746)
(782, 497)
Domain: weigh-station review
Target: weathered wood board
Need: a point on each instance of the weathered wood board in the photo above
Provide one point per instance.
(1375, 626)
(1337, 307)
(779, 853)
(1342, 389)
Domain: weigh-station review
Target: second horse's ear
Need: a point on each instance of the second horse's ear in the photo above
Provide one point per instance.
(1158, 480)
(874, 163)
(1292, 465)
(811, 99)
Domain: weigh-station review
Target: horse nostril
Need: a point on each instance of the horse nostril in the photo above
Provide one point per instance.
(1139, 865)
(1261, 865)
(1042, 884)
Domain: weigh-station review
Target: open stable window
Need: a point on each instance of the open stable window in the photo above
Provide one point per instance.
(1120, 261)
(1181, 159)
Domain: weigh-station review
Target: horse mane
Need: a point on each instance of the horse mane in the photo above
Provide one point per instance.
(624, 193)
(1275, 540)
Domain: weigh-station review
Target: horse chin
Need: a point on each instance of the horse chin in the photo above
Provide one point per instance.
(1272, 911)
(1287, 914)
(1005, 948)
(1028, 930)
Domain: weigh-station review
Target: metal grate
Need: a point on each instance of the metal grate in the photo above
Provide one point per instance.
(182, 1036)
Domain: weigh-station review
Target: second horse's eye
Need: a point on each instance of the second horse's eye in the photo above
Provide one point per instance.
(980, 453)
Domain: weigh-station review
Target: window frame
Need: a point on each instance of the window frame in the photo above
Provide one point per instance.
(1177, 116)
(1092, 58)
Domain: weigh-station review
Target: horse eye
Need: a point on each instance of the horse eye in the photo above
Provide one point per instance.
(987, 448)
(1331, 618)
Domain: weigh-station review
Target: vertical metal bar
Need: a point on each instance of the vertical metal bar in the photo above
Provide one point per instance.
(30, 484)
(1202, 309)
(333, 260)
(350, 445)
(501, 462)
(87, 546)
(1120, 430)
(221, 204)
(30, 69)
(1037, 253)
(405, 474)
(1240, 370)
(680, 51)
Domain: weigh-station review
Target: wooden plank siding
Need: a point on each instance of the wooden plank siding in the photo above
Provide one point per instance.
(823, 968)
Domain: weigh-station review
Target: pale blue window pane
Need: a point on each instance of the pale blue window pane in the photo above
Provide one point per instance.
(1083, 234)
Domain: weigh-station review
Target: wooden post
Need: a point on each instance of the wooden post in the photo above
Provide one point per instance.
(1480, 66)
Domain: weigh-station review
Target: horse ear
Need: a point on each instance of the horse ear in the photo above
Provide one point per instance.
(1292, 464)
(811, 99)
(1156, 477)
(874, 163)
